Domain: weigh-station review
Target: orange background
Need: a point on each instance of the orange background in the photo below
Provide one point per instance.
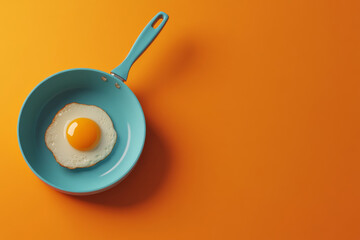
(252, 110)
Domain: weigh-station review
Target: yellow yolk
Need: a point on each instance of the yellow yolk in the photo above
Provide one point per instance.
(83, 134)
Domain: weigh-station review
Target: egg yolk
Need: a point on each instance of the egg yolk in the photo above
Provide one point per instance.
(83, 134)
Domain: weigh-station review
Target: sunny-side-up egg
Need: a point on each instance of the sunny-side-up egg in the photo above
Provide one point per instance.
(80, 135)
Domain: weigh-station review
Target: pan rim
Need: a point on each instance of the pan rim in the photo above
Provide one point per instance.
(109, 184)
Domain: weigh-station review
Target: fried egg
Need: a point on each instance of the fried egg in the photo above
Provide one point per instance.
(80, 136)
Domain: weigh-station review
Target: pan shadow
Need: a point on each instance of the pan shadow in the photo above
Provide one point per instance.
(155, 161)
(145, 179)
(173, 67)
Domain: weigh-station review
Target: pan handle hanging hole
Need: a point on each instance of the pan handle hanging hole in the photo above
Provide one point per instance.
(157, 22)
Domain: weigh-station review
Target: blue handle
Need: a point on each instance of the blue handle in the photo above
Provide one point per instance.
(142, 42)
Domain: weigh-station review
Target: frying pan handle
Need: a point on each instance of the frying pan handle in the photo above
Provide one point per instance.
(142, 42)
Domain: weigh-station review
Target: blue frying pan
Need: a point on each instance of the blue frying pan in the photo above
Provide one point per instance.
(92, 87)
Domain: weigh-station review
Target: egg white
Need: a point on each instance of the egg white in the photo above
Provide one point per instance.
(64, 153)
